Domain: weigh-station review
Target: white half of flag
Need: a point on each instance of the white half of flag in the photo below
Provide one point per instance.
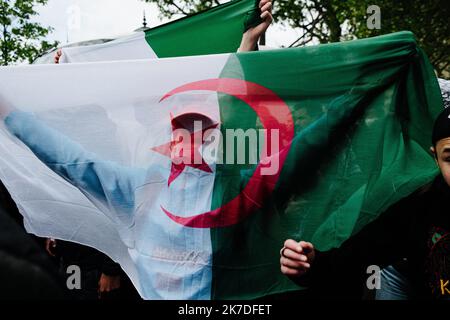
(95, 127)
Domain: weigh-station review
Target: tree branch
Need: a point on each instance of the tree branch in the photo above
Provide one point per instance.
(436, 59)
(5, 46)
(181, 10)
(307, 30)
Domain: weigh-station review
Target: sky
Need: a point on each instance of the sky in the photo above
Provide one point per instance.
(79, 20)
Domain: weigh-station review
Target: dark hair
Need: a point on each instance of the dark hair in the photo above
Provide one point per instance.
(441, 127)
(187, 120)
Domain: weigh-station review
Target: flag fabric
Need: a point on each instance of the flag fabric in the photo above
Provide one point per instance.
(90, 158)
(216, 30)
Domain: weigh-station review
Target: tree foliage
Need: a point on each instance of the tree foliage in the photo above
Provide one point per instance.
(323, 21)
(428, 20)
(21, 39)
(169, 8)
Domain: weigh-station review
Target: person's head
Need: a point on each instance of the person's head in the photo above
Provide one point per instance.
(184, 128)
(441, 144)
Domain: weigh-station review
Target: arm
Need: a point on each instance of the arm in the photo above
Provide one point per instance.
(307, 151)
(105, 180)
(251, 36)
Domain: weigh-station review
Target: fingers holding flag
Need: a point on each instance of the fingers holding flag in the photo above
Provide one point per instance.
(5, 107)
(266, 9)
(252, 35)
(296, 257)
(57, 57)
(266, 15)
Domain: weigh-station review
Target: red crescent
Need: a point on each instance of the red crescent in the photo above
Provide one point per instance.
(274, 114)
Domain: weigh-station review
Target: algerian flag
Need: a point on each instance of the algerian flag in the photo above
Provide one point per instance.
(342, 132)
(217, 30)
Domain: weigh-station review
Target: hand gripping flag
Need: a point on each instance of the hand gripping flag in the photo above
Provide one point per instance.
(216, 30)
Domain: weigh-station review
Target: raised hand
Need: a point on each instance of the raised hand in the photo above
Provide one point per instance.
(251, 36)
(58, 55)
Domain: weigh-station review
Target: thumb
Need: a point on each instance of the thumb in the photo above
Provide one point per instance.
(307, 247)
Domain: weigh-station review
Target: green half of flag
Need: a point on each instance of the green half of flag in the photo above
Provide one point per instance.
(362, 113)
(217, 30)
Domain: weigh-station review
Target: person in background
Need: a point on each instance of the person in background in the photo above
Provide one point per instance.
(416, 228)
(26, 272)
(394, 279)
(101, 278)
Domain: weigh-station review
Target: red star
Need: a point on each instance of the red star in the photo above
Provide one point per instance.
(189, 152)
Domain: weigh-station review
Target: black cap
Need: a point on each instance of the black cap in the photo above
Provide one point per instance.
(441, 128)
